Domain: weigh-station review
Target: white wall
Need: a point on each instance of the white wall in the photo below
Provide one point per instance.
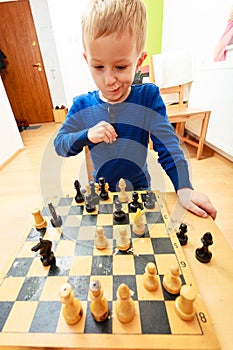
(10, 139)
(65, 18)
(196, 26)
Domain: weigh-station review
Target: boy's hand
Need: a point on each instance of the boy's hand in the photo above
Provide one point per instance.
(102, 132)
(196, 202)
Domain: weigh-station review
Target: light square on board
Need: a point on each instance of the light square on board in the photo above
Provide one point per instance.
(16, 322)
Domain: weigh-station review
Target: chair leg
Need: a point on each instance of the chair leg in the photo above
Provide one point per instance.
(204, 127)
(89, 165)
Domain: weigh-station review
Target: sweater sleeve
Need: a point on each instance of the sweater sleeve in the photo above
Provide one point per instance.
(72, 136)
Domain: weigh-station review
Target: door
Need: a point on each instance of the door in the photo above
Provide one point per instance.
(24, 78)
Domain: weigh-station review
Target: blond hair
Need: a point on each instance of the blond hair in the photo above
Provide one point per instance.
(104, 17)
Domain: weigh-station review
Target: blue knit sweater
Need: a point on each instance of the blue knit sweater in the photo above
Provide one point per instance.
(142, 114)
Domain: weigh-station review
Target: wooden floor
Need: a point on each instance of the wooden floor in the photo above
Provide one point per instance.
(37, 173)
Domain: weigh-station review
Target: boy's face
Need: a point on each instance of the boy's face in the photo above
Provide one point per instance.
(113, 61)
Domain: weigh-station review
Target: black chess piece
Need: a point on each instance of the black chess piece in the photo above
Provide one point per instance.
(150, 200)
(90, 204)
(56, 220)
(46, 255)
(203, 254)
(135, 204)
(94, 195)
(119, 214)
(79, 198)
(103, 192)
(183, 238)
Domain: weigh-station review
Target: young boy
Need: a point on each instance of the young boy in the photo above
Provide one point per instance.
(116, 120)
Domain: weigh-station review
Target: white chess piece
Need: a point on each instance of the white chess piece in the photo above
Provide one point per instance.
(122, 196)
(138, 224)
(101, 241)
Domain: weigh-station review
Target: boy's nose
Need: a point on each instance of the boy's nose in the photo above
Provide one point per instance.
(109, 79)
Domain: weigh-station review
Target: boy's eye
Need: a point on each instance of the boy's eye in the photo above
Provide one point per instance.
(98, 67)
(121, 67)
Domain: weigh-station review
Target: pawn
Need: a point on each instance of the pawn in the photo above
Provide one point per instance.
(203, 254)
(79, 198)
(172, 281)
(123, 241)
(99, 304)
(135, 204)
(71, 308)
(101, 241)
(103, 187)
(184, 303)
(150, 280)
(119, 214)
(40, 222)
(138, 225)
(93, 193)
(150, 200)
(181, 235)
(90, 204)
(125, 307)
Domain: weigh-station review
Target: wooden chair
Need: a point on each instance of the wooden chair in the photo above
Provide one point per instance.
(89, 165)
(180, 113)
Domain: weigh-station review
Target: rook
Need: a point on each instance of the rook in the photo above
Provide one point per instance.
(184, 303)
(40, 222)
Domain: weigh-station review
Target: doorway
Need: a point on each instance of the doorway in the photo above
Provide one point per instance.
(24, 78)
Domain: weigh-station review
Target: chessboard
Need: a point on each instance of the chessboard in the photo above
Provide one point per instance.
(30, 306)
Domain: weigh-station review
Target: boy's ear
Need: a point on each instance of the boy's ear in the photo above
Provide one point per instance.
(141, 59)
(85, 56)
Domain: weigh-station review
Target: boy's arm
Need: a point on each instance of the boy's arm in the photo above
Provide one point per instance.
(172, 159)
(71, 138)
(196, 202)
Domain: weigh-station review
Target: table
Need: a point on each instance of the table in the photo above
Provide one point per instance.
(215, 279)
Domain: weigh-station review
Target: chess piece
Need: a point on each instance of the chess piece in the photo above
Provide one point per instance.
(103, 189)
(99, 304)
(184, 304)
(135, 204)
(150, 200)
(172, 281)
(122, 195)
(138, 225)
(119, 214)
(93, 193)
(79, 198)
(123, 241)
(125, 307)
(150, 280)
(101, 241)
(203, 254)
(90, 205)
(40, 222)
(47, 256)
(181, 235)
(56, 220)
(71, 308)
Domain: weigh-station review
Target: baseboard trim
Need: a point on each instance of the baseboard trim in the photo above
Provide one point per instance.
(13, 156)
